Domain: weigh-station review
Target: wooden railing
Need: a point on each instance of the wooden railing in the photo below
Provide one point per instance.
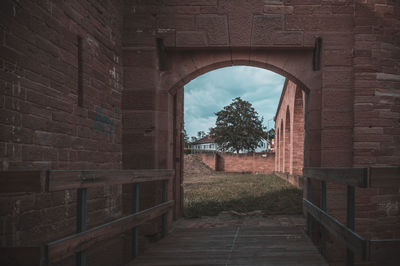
(373, 177)
(77, 244)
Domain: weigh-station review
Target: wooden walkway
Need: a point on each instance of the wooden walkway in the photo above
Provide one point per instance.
(242, 244)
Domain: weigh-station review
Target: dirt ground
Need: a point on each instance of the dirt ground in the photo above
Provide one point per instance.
(194, 165)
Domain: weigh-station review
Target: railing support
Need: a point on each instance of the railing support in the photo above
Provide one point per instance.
(164, 216)
(135, 231)
(323, 207)
(81, 223)
(350, 221)
(309, 217)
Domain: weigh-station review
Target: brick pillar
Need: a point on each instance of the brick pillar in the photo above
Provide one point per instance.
(286, 157)
(298, 133)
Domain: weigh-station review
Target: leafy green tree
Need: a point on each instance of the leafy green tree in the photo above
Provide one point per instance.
(201, 134)
(186, 138)
(238, 127)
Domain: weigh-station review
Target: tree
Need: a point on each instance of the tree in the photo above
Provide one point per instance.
(185, 138)
(238, 127)
(201, 134)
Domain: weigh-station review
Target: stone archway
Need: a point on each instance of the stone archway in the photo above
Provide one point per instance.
(185, 65)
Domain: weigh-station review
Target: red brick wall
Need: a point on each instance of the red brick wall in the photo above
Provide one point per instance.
(351, 104)
(253, 163)
(41, 124)
(210, 159)
(289, 125)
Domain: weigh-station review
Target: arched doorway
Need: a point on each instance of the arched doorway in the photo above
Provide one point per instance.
(187, 65)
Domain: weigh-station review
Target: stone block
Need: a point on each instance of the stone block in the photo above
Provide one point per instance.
(263, 28)
(216, 28)
(191, 39)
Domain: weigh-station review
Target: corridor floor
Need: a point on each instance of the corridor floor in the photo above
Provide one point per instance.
(234, 239)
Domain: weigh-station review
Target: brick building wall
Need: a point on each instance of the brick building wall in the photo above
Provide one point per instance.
(42, 126)
(351, 106)
(289, 125)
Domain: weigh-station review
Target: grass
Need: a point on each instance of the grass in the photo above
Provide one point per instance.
(208, 195)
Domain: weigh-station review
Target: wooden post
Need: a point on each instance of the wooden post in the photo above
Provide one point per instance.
(350, 221)
(135, 231)
(81, 223)
(323, 230)
(309, 218)
(164, 216)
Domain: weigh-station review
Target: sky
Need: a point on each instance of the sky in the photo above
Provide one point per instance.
(210, 92)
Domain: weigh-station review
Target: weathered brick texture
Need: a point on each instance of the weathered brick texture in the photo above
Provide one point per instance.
(256, 163)
(351, 105)
(41, 124)
(289, 125)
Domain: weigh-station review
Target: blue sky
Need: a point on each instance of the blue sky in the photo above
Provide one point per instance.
(210, 92)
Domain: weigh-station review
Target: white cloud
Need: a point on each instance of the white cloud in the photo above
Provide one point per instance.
(210, 92)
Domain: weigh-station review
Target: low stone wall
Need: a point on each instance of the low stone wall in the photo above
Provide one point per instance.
(259, 163)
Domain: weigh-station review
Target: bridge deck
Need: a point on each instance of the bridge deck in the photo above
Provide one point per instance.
(268, 243)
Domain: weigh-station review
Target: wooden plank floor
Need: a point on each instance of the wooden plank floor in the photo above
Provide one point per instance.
(233, 244)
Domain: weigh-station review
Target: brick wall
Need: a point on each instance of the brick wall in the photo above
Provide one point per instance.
(41, 124)
(241, 163)
(351, 104)
(289, 125)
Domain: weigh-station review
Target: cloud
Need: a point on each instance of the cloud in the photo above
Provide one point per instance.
(210, 92)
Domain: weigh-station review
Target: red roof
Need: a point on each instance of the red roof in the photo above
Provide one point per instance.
(206, 139)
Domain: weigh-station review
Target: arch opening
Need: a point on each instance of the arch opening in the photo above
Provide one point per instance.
(186, 66)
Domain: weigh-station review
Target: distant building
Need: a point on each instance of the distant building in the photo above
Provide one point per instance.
(206, 143)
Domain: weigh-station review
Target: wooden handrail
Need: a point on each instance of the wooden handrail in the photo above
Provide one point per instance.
(372, 177)
(348, 176)
(81, 180)
(384, 177)
(70, 179)
(383, 249)
(56, 180)
(22, 181)
(68, 246)
(351, 239)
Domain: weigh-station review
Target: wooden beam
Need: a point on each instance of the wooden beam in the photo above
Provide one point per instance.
(17, 256)
(351, 239)
(22, 181)
(347, 176)
(73, 179)
(385, 250)
(68, 246)
(384, 177)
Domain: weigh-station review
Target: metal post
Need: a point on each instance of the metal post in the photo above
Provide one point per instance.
(309, 218)
(350, 221)
(135, 231)
(81, 223)
(164, 216)
(323, 230)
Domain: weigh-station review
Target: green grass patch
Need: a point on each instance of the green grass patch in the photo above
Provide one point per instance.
(208, 195)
